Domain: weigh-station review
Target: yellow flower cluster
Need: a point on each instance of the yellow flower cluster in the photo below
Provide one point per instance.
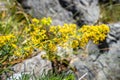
(46, 21)
(4, 39)
(95, 33)
(79, 37)
(41, 35)
(63, 33)
(37, 32)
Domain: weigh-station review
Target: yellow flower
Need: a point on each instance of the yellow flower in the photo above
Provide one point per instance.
(17, 53)
(34, 20)
(95, 33)
(14, 46)
(51, 46)
(46, 21)
(75, 43)
(4, 39)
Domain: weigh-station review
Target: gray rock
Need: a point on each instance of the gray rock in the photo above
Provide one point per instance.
(64, 11)
(88, 11)
(47, 8)
(35, 65)
(114, 34)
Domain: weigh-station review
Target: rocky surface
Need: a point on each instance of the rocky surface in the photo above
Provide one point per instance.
(84, 11)
(47, 8)
(101, 66)
(35, 65)
(64, 11)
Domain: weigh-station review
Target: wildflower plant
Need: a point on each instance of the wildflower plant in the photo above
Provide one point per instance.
(41, 35)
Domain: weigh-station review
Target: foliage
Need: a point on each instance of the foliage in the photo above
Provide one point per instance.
(22, 77)
(49, 76)
(54, 76)
(45, 37)
(12, 22)
(40, 35)
(110, 12)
